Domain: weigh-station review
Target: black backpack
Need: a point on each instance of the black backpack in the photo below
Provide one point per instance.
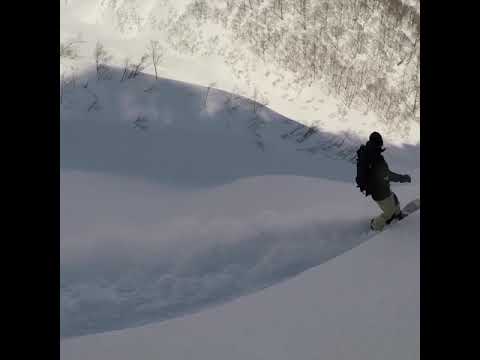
(363, 168)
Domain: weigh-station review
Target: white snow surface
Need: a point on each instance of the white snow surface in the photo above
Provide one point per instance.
(363, 304)
(194, 209)
(192, 228)
(190, 213)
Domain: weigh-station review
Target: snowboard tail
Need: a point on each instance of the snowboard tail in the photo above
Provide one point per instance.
(409, 208)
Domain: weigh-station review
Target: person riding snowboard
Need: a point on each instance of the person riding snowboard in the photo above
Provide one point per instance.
(374, 177)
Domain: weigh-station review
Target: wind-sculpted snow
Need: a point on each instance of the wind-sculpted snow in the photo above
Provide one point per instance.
(135, 253)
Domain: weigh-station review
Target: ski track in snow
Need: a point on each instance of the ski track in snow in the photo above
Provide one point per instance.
(134, 253)
(116, 290)
(364, 305)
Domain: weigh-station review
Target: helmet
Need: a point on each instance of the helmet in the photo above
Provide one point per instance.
(376, 139)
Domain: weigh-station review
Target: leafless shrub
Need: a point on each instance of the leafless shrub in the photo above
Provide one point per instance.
(137, 68)
(156, 53)
(68, 49)
(102, 58)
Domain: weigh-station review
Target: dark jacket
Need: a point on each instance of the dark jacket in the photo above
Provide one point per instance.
(379, 175)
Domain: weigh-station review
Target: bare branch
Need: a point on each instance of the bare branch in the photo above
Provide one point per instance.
(136, 69)
(102, 58)
(156, 53)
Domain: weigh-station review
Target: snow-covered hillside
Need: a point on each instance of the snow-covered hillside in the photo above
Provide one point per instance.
(206, 178)
(200, 44)
(211, 209)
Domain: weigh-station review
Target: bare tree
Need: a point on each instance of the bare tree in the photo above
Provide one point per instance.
(68, 49)
(232, 97)
(327, 40)
(156, 54)
(94, 105)
(102, 58)
(126, 67)
(64, 82)
(73, 79)
(258, 102)
(416, 95)
(309, 132)
(279, 8)
(98, 55)
(199, 9)
(254, 101)
(137, 68)
(410, 54)
(208, 92)
(302, 8)
(257, 123)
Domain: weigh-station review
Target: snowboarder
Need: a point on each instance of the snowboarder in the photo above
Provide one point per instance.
(374, 177)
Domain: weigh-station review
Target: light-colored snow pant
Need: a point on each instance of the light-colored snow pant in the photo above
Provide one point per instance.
(390, 207)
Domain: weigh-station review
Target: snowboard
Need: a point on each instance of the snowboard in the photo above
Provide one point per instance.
(409, 208)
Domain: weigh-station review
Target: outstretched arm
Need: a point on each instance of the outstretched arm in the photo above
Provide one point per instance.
(394, 177)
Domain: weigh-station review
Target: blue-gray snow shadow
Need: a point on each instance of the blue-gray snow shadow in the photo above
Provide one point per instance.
(110, 293)
(173, 133)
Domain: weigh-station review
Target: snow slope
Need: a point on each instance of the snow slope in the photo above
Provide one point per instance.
(190, 212)
(126, 28)
(196, 205)
(180, 202)
(363, 304)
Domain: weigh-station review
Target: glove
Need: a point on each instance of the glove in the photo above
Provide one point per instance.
(406, 178)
